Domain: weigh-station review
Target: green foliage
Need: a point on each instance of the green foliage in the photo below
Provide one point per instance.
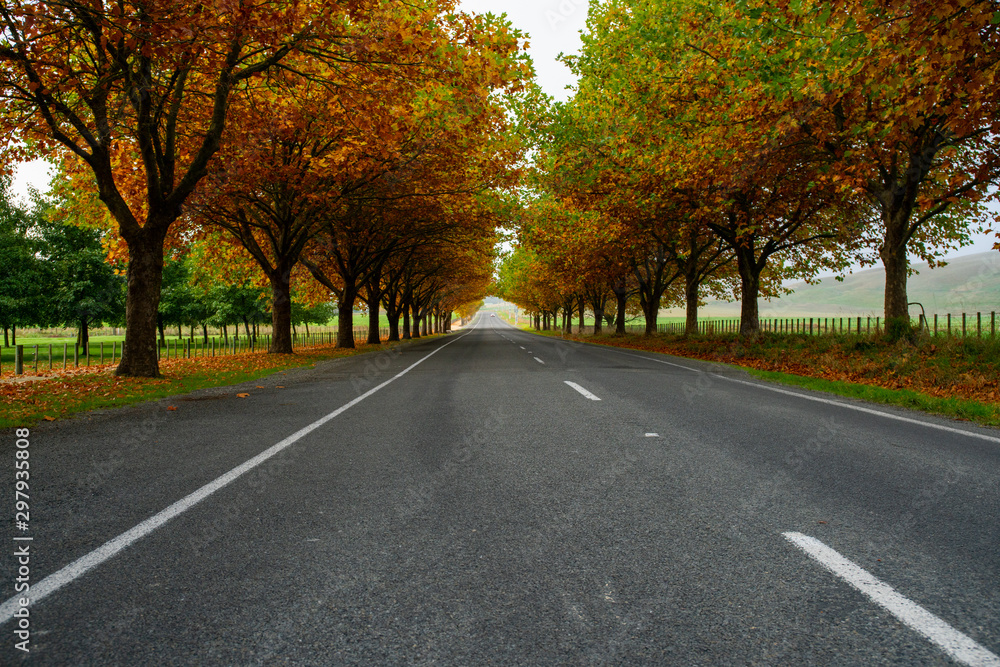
(23, 276)
(319, 314)
(85, 289)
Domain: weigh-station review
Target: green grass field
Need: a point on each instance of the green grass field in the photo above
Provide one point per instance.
(63, 347)
(55, 351)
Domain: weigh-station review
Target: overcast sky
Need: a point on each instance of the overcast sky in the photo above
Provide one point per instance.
(553, 27)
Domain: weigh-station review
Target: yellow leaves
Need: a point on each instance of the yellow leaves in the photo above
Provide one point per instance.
(242, 395)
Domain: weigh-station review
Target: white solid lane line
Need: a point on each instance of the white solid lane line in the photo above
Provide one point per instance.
(85, 563)
(888, 415)
(539, 361)
(818, 399)
(959, 646)
(582, 390)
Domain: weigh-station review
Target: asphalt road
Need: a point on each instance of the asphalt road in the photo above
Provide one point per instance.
(478, 509)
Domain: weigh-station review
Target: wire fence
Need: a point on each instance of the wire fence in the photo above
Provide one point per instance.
(55, 356)
(964, 325)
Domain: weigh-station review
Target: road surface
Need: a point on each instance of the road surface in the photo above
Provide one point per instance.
(498, 497)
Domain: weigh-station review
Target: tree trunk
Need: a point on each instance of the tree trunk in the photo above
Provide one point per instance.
(620, 291)
(621, 296)
(204, 333)
(246, 327)
(373, 289)
(85, 335)
(225, 333)
(406, 321)
(142, 301)
(180, 331)
(415, 321)
(691, 298)
(583, 308)
(374, 337)
(650, 311)
(893, 254)
(6, 336)
(191, 331)
(393, 316)
(13, 334)
(345, 317)
(538, 321)
(281, 312)
(750, 288)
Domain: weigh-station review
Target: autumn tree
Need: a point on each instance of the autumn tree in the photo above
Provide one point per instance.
(678, 142)
(140, 94)
(23, 274)
(904, 99)
(312, 133)
(440, 141)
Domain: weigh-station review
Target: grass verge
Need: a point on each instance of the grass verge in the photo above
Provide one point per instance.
(29, 402)
(949, 377)
(956, 408)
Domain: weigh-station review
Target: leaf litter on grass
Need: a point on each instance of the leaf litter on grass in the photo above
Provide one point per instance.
(63, 393)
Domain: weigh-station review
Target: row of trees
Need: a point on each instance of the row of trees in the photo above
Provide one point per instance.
(351, 148)
(725, 147)
(52, 274)
(56, 274)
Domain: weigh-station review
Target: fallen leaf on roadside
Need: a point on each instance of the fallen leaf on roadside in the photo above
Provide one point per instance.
(260, 387)
(171, 408)
(49, 419)
(280, 387)
(242, 395)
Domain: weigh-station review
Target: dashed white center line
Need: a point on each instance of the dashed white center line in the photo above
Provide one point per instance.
(959, 646)
(539, 361)
(582, 390)
(521, 346)
(652, 435)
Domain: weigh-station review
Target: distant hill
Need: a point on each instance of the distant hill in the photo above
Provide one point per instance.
(969, 283)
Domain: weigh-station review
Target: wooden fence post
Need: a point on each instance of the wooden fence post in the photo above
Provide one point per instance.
(18, 360)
